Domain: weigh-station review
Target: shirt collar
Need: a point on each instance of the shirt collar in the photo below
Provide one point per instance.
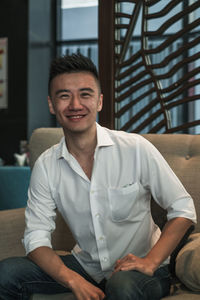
(103, 140)
(103, 137)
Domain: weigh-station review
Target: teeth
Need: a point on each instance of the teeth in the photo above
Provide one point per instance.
(75, 117)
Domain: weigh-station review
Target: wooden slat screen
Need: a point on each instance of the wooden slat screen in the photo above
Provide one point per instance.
(151, 81)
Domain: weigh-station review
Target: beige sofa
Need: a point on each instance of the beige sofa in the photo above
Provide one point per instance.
(182, 153)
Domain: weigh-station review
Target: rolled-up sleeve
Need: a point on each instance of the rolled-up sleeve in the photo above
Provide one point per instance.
(165, 187)
(40, 212)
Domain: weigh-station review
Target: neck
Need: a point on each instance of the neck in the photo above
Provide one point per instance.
(81, 144)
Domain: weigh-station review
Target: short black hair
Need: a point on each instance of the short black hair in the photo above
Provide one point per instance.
(73, 63)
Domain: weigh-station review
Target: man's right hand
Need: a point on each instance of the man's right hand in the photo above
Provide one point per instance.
(83, 289)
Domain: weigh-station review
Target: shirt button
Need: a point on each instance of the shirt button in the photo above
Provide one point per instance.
(102, 238)
(97, 215)
(105, 259)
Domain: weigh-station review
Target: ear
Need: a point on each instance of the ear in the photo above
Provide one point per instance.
(51, 108)
(100, 103)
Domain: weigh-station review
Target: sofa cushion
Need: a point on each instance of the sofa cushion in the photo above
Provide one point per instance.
(188, 263)
(12, 225)
(180, 245)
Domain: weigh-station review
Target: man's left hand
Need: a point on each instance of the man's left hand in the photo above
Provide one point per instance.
(132, 262)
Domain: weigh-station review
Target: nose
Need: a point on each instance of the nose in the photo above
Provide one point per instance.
(75, 103)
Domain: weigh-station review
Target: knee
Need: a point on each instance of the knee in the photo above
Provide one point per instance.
(5, 271)
(10, 270)
(121, 287)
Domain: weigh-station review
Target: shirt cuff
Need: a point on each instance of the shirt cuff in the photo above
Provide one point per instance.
(31, 242)
(184, 208)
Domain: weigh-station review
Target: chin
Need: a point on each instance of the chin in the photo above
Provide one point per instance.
(77, 128)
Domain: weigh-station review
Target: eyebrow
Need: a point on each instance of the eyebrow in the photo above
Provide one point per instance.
(86, 89)
(62, 91)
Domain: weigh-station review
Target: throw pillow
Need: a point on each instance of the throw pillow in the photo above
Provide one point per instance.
(188, 263)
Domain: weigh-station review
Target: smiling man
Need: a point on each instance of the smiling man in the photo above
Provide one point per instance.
(101, 181)
(75, 99)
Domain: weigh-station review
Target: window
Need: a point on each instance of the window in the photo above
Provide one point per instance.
(78, 28)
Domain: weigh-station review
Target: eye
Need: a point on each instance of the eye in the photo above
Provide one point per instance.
(85, 95)
(63, 96)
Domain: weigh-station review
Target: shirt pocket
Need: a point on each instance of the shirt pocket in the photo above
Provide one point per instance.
(124, 203)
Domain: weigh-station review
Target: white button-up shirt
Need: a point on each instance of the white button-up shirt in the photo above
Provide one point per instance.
(110, 214)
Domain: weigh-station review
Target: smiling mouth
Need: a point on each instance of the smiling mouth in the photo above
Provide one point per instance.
(78, 117)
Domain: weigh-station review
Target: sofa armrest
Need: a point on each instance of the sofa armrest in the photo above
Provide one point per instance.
(12, 226)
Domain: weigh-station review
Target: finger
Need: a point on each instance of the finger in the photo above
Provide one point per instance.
(137, 267)
(128, 257)
(117, 263)
(121, 267)
(121, 261)
(116, 270)
(102, 296)
(125, 258)
(128, 267)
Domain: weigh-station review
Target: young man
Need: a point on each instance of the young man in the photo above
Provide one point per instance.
(101, 181)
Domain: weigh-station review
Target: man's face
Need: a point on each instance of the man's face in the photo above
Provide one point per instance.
(75, 100)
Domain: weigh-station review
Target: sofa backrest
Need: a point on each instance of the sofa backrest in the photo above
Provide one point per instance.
(182, 152)
(42, 139)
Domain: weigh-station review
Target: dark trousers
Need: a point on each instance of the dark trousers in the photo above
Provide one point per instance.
(20, 278)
